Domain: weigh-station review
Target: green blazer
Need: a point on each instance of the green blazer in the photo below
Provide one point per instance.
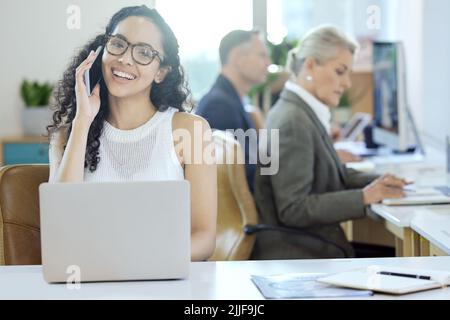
(312, 191)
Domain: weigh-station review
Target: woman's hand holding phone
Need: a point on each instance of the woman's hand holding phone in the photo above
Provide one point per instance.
(87, 106)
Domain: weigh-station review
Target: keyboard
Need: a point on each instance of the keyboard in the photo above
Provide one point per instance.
(445, 190)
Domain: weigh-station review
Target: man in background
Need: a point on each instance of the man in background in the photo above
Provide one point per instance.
(244, 58)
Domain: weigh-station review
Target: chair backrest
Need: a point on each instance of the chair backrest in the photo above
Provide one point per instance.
(236, 207)
(20, 241)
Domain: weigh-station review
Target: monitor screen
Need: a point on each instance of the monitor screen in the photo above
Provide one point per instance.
(386, 114)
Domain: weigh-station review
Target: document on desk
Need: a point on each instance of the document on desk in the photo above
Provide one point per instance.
(392, 280)
(301, 286)
(363, 166)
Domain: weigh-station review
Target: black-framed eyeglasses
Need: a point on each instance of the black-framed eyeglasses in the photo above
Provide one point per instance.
(142, 53)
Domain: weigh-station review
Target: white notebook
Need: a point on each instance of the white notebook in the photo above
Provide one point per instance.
(363, 166)
(420, 196)
(391, 280)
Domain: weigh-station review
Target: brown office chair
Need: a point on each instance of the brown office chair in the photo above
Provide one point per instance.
(20, 241)
(236, 207)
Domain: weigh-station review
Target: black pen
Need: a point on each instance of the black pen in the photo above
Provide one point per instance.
(416, 276)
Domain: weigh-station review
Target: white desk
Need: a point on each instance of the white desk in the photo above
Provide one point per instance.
(207, 281)
(433, 225)
(385, 157)
(399, 221)
(400, 216)
(430, 172)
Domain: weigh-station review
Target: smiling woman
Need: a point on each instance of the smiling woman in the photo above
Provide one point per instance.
(124, 130)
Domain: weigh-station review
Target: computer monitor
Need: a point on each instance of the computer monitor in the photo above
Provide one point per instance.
(390, 102)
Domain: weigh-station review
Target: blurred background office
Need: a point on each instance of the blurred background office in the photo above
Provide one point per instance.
(40, 36)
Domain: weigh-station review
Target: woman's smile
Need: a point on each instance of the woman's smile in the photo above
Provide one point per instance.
(121, 76)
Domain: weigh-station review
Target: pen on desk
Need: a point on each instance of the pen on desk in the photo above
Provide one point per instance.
(416, 276)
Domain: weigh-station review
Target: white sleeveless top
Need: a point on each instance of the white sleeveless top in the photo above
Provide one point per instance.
(146, 153)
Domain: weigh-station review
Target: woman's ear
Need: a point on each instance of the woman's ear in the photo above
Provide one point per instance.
(309, 64)
(162, 74)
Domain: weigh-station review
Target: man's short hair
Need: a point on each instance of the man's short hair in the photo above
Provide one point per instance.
(232, 40)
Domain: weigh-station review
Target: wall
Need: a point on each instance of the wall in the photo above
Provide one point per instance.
(436, 77)
(38, 45)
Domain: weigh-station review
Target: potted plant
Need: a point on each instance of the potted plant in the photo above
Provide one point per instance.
(37, 114)
(343, 112)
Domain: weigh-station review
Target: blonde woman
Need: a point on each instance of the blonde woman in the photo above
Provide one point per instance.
(305, 202)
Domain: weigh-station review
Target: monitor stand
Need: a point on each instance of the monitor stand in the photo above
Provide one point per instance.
(375, 146)
(411, 150)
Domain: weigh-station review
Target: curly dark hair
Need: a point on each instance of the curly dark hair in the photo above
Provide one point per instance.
(172, 92)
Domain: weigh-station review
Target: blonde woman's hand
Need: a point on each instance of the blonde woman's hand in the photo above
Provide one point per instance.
(87, 106)
(386, 187)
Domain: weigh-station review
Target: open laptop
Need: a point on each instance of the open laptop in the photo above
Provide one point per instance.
(115, 231)
(422, 196)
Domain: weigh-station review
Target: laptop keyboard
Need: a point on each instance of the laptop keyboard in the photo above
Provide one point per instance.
(444, 190)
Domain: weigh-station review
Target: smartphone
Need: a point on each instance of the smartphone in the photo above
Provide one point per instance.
(93, 76)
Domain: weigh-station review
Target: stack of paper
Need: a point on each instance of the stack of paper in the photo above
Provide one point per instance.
(301, 285)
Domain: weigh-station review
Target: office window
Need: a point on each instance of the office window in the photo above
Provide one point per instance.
(293, 18)
(199, 26)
